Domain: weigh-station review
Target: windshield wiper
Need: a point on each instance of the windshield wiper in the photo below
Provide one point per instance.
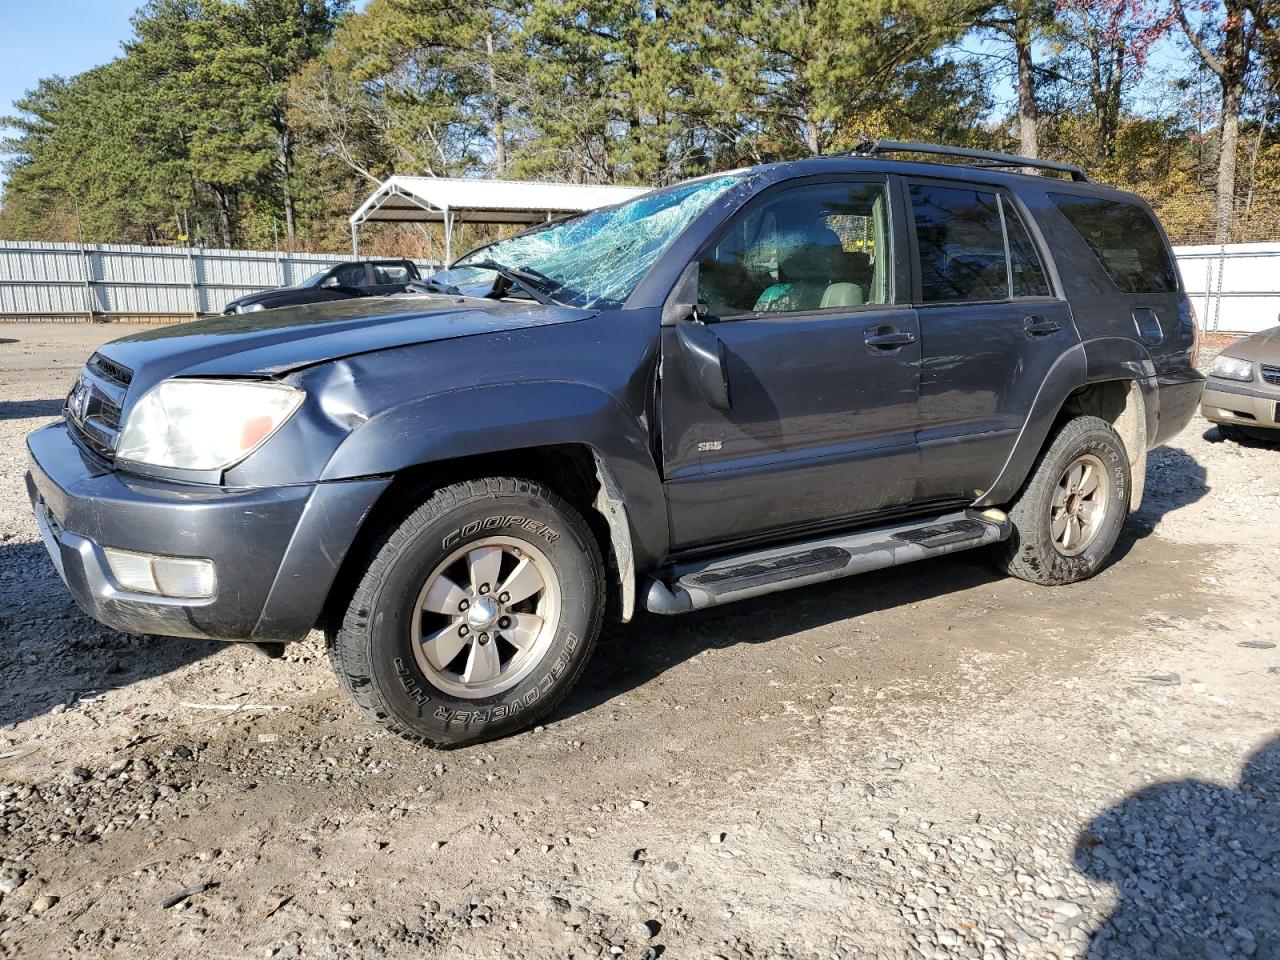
(537, 284)
(432, 285)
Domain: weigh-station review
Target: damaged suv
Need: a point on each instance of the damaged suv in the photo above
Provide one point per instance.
(746, 382)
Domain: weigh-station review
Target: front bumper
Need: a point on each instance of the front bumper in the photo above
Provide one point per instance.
(276, 549)
(1244, 404)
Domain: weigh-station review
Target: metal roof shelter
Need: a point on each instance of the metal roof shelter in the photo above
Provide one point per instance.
(451, 201)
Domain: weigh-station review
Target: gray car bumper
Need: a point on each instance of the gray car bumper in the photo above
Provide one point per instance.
(276, 550)
(1243, 404)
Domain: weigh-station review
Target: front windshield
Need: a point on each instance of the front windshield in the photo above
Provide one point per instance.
(315, 278)
(597, 259)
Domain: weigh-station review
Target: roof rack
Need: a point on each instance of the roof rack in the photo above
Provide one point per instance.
(988, 158)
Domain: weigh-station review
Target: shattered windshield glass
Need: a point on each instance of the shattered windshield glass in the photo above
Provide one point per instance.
(598, 258)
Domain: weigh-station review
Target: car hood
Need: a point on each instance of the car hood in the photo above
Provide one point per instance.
(1263, 346)
(270, 343)
(263, 295)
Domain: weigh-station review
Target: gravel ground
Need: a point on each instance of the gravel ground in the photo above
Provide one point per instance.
(929, 762)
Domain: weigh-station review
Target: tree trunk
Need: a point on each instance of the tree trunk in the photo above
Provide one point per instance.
(811, 140)
(499, 114)
(1231, 66)
(1028, 113)
(1105, 94)
(226, 227)
(1253, 157)
(1234, 70)
(286, 184)
(1231, 97)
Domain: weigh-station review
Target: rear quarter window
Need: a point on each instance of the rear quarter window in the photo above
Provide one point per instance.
(1125, 240)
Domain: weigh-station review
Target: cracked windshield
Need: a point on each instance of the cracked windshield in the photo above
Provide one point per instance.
(597, 259)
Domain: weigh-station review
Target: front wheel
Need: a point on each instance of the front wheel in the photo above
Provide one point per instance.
(475, 615)
(1068, 517)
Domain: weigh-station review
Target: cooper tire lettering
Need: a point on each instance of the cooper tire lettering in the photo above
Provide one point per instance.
(536, 527)
(374, 647)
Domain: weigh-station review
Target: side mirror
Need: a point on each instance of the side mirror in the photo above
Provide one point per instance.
(705, 355)
(329, 283)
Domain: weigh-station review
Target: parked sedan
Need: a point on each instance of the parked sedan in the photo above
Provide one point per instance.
(344, 281)
(1242, 395)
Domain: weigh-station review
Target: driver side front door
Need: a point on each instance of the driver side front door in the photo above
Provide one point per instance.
(802, 287)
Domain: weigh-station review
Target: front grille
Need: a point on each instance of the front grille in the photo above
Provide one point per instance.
(1270, 374)
(93, 407)
(110, 370)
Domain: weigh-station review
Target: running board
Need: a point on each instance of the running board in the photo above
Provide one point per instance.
(708, 583)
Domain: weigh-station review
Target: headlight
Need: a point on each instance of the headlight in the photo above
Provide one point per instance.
(1230, 368)
(205, 424)
(251, 307)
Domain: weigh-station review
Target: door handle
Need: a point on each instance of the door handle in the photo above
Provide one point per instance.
(887, 338)
(1038, 326)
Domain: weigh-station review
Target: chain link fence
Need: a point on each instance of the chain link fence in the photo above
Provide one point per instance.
(1190, 218)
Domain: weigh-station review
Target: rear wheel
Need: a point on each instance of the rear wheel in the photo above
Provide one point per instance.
(474, 616)
(1068, 517)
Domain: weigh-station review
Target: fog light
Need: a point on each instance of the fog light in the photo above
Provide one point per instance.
(178, 577)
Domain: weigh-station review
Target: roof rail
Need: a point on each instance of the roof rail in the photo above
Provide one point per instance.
(988, 158)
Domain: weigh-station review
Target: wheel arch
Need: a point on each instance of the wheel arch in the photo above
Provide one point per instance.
(1112, 379)
(575, 471)
(1122, 404)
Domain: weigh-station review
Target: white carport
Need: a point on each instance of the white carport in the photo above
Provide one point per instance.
(453, 201)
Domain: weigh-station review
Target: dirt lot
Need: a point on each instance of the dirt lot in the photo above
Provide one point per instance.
(929, 762)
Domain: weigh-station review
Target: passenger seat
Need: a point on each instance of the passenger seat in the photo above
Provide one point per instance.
(842, 295)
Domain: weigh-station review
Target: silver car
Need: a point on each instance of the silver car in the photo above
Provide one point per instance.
(1242, 395)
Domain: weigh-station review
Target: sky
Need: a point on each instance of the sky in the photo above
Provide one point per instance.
(57, 36)
(66, 37)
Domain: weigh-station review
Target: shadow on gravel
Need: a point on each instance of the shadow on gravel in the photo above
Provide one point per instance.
(52, 654)
(1175, 479)
(29, 409)
(1244, 437)
(1196, 866)
(631, 655)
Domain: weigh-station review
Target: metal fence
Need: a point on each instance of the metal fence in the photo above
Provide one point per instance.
(74, 282)
(1235, 287)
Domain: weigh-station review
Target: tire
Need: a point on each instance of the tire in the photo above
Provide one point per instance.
(516, 655)
(1084, 537)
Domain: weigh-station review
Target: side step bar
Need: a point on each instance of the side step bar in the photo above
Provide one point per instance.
(708, 583)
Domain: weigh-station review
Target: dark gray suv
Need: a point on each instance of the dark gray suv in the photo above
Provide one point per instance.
(746, 382)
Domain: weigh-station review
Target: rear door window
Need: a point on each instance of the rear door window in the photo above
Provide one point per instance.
(960, 240)
(1025, 268)
(386, 274)
(351, 275)
(1125, 240)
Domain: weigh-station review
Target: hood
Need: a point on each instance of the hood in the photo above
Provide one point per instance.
(265, 295)
(1263, 346)
(273, 342)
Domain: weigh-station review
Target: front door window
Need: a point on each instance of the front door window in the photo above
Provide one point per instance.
(812, 248)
